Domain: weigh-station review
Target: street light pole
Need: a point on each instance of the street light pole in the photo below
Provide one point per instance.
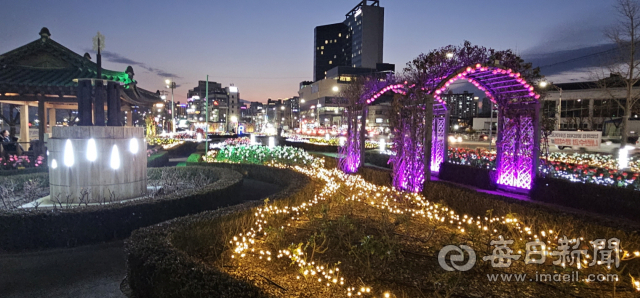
(172, 85)
(206, 123)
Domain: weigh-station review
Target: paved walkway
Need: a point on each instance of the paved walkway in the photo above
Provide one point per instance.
(83, 272)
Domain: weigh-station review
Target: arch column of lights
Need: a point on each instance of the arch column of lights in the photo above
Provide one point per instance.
(518, 127)
(350, 151)
(518, 133)
(408, 172)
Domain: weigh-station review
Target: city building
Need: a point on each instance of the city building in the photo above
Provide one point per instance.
(327, 93)
(291, 112)
(356, 42)
(342, 52)
(587, 106)
(224, 105)
(463, 107)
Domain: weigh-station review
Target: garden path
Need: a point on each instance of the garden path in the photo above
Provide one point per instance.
(87, 271)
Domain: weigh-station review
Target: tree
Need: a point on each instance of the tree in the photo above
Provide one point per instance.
(352, 155)
(624, 67)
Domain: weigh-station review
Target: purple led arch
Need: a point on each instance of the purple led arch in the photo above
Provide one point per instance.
(515, 97)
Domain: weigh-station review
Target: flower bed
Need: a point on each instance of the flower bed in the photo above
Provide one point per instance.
(479, 158)
(66, 227)
(578, 167)
(352, 238)
(261, 155)
(160, 141)
(15, 162)
(162, 260)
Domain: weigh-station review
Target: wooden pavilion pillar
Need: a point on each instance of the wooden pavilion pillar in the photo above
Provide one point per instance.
(42, 119)
(52, 119)
(24, 123)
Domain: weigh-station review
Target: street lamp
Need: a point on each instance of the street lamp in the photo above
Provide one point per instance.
(318, 112)
(335, 89)
(544, 84)
(172, 85)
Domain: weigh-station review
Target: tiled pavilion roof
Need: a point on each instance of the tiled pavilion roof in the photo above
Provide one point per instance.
(46, 67)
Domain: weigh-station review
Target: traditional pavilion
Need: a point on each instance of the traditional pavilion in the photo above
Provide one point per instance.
(45, 74)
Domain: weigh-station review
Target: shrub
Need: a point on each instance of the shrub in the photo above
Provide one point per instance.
(477, 177)
(195, 157)
(29, 229)
(162, 260)
(261, 155)
(159, 159)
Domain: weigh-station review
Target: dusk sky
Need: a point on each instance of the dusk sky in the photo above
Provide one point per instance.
(265, 48)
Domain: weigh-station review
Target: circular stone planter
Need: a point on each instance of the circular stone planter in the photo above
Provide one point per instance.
(46, 228)
(102, 160)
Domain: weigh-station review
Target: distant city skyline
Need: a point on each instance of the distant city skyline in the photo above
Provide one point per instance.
(266, 48)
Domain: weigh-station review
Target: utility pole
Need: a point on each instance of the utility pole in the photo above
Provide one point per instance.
(172, 85)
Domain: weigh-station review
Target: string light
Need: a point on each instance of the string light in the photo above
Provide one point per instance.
(380, 197)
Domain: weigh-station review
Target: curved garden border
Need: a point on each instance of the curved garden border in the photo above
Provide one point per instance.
(159, 266)
(46, 228)
(156, 267)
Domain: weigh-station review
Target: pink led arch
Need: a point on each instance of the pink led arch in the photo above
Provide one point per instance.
(517, 143)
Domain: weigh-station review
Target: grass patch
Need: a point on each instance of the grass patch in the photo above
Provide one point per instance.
(339, 235)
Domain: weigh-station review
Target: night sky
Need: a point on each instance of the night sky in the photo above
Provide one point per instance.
(265, 48)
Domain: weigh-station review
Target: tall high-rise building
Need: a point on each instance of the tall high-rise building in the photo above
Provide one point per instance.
(356, 42)
(366, 27)
(462, 107)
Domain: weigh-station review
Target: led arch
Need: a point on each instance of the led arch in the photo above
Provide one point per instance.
(517, 102)
(517, 142)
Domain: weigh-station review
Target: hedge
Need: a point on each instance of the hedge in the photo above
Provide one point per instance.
(613, 201)
(159, 159)
(377, 159)
(183, 149)
(47, 228)
(468, 175)
(42, 169)
(158, 262)
(312, 147)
